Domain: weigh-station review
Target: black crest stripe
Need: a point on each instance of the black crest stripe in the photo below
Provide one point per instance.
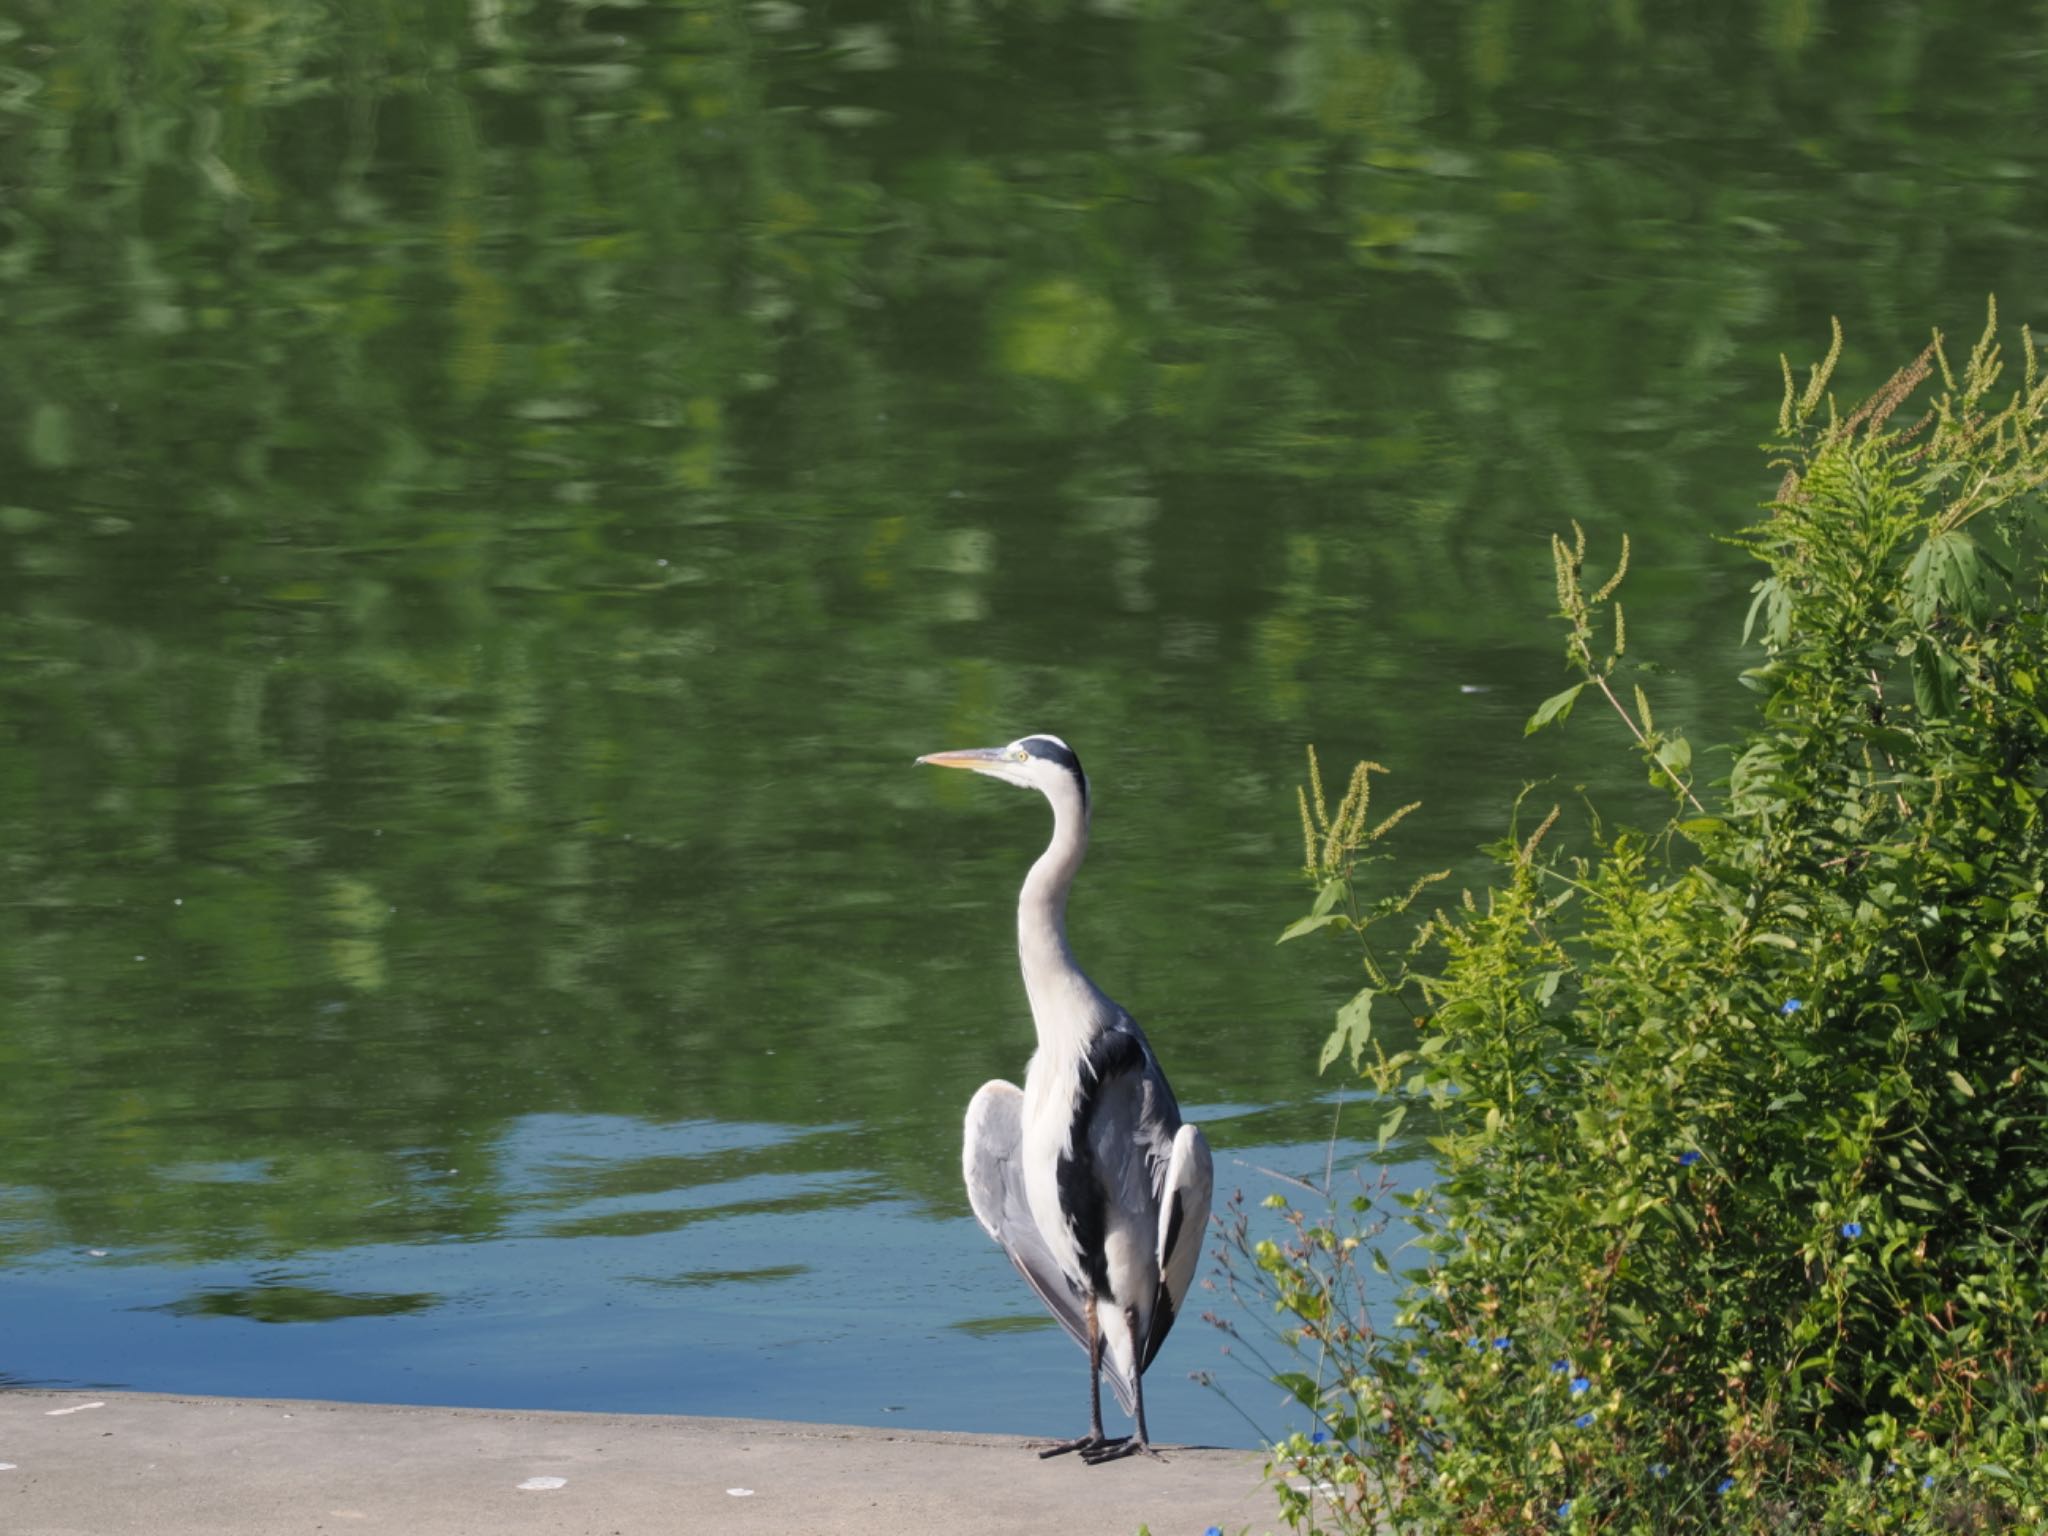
(1052, 751)
(1058, 752)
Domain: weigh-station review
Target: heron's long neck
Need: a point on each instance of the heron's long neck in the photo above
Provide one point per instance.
(1061, 996)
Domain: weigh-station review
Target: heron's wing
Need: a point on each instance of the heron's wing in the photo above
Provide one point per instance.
(1150, 1116)
(1183, 1226)
(1130, 1116)
(991, 1160)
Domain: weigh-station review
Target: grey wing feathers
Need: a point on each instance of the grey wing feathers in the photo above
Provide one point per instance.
(1149, 1160)
(1184, 1199)
(990, 1160)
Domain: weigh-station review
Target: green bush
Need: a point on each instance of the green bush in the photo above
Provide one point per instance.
(1741, 1124)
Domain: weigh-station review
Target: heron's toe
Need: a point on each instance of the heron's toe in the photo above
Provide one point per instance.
(1088, 1445)
(1116, 1450)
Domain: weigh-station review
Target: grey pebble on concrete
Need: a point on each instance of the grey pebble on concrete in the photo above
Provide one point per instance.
(111, 1463)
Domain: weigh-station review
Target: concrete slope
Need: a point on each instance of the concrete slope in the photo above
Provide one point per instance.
(112, 1463)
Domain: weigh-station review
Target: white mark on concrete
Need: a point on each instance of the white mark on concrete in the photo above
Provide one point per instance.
(6, 1466)
(346, 1514)
(741, 1493)
(542, 1484)
(76, 1408)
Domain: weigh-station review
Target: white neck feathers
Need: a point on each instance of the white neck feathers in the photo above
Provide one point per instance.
(1064, 1002)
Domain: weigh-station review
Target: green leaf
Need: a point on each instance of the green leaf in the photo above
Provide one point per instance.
(1676, 755)
(1391, 1123)
(1962, 1085)
(1354, 1028)
(1558, 708)
(1302, 1387)
(1934, 681)
(1328, 896)
(1309, 924)
(1763, 679)
(1946, 577)
(1775, 604)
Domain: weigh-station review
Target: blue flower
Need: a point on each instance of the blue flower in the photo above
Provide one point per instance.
(1852, 1229)
(1564, 1510)
(1927, 1481)
(1687, 1159)
(1792, 1006)
(1319, 1436)
(1502, 1342)
(1214, 1530)
(1726, 1484)
(1560, 1366)
(1583, 1420)
(1579, 1385)
(1658, 1469)
(1475, 1342)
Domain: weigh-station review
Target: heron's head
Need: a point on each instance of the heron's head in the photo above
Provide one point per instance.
(1040, 762)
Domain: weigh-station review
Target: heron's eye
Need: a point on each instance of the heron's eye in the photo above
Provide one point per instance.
(1018, 755)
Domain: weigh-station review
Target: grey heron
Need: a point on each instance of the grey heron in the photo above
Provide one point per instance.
(1086, 1176)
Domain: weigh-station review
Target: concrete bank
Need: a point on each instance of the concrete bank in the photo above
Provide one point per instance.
(109, 1463)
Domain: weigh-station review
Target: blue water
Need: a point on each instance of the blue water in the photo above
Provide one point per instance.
(823, 1296)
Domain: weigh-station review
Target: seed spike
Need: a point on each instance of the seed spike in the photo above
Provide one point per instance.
(1948, 374)
(1361, 781)
(1561, 558)
(1394, 820)
(1817, 381)
(1614, 581)
(1337, 843)
(1529, 847)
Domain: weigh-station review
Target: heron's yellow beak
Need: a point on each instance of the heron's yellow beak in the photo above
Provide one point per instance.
(968, 757)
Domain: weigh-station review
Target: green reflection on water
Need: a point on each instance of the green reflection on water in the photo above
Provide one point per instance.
(282, 1302)
(764, 1275)
(493, 497)
(983, 1327)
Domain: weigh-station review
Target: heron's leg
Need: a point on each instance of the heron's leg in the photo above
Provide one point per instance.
(1112, 1450)
(1094, 1440)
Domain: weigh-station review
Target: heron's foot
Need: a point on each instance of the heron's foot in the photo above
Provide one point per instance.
(1116, 1450)
(1090, 1445)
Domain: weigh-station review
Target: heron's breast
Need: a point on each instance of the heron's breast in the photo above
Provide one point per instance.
(1051, 1094)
